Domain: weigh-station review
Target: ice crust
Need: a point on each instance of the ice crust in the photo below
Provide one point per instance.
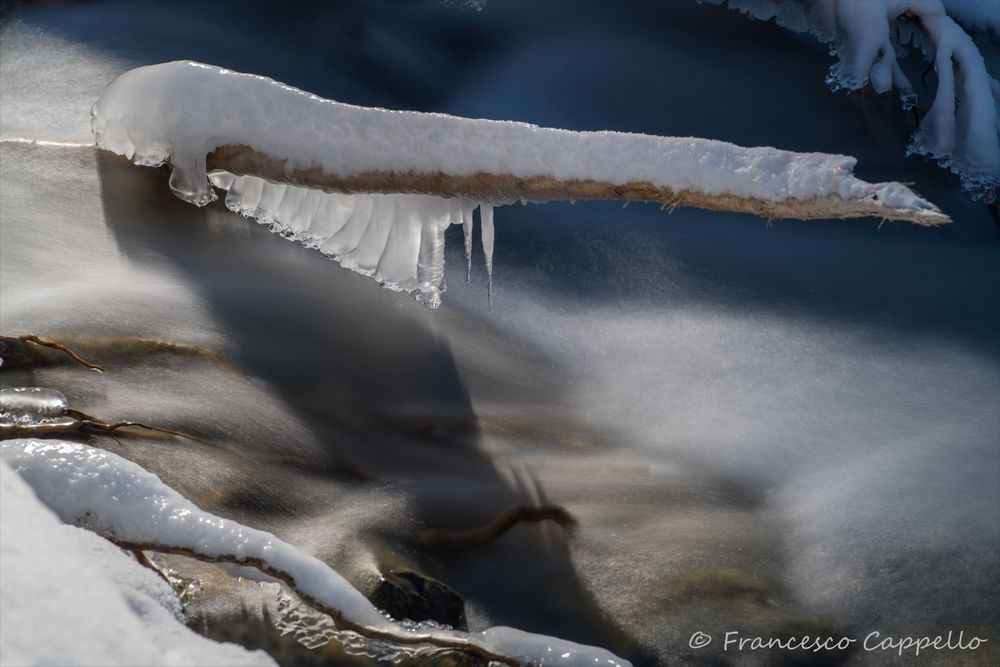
(118, 499)
(178, 112)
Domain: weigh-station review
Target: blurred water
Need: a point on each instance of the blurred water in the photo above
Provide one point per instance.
(761, 427)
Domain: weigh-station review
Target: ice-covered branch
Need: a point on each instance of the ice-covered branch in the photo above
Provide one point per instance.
(376, 189)
(133, 508)
(960, 129)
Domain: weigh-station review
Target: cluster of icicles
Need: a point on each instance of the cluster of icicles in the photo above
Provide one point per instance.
(396, 239)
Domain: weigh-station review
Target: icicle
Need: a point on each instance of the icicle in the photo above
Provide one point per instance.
(364, 258)
(397, 239)
(437, 216)
(286, 209)
(235, 192)
(221, 179)
(270, 199)
(189, 179)
(302, 219)
(486, 222)
(243, 195)
(467, 224)
(331, 215)
(347, 238)
(397, 268)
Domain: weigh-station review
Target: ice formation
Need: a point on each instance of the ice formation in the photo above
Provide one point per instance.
(342, 178)
(31, 405)
(960, 128)
(120, 500)
(396, 239)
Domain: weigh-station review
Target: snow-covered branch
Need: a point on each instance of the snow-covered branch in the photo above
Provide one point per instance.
(376, 189)
(960, 129)
(131, 507)
(707, 174)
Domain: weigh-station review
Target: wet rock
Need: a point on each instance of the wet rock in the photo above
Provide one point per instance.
(405, 594)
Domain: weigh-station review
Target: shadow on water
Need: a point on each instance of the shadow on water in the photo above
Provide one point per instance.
(375, 384)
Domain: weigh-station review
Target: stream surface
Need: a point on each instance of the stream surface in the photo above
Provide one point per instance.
(765, 428)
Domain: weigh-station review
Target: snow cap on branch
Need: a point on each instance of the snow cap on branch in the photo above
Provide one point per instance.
(376, 189)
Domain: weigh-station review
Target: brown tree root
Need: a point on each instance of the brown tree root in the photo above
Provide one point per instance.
(80, 422)
(9, 346)
(75, 421)
(17, 350)
(137, 346)
(464, 539)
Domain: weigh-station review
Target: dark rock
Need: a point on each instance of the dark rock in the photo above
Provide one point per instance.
(405, 594)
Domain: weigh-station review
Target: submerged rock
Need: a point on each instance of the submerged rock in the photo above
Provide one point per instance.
(405, 594)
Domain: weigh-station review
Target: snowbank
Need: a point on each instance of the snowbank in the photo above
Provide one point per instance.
(118, 499)
(68, 597)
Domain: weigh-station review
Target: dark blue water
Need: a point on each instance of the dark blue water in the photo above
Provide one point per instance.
(812, 406)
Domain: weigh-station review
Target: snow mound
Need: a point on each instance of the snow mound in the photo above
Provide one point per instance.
(68, 597)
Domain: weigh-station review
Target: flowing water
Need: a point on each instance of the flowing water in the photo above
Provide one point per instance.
(767, 428)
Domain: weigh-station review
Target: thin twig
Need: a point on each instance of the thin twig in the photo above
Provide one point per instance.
(143, 560)
(464, 539)
(128, 346)
(32, 338)
(109, 428)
